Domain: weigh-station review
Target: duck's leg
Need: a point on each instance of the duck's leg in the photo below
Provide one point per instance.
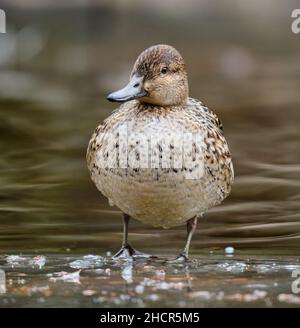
(126, 250)
(190, 227)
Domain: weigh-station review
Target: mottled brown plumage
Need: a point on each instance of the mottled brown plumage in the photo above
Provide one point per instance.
(161, 112)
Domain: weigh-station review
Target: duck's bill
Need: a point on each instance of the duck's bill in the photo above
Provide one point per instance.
(133, 90)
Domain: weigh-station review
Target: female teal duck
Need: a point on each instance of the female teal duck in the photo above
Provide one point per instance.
(161, 157)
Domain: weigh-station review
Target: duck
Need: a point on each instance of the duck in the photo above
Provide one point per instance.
(161, 157)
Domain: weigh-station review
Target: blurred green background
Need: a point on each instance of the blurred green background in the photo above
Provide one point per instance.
(58, 60)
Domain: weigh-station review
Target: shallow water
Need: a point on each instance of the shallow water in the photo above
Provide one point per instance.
(52, 216)
(209, 280)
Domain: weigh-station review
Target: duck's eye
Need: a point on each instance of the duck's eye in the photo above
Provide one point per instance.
(164, 70)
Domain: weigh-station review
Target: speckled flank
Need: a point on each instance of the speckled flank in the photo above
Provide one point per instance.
(161, 196)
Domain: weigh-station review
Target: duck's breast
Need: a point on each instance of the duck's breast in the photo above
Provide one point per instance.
(152, 165)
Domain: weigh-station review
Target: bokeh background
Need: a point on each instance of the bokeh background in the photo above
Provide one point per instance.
(59, 59)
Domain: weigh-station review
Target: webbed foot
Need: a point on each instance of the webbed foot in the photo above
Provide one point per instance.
(128, 252)
(181, 258)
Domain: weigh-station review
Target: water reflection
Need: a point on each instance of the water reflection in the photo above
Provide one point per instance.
(206, 281)
(126, 272)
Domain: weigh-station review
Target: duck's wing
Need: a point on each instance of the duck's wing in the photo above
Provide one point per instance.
(218, 162)
(207, 114)
(214, 118)
(92, 146)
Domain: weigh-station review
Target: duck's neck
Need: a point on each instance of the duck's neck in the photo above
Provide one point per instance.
(156, 104)
(145, 106)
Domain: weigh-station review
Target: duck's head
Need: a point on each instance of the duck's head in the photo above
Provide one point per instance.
(158, 77)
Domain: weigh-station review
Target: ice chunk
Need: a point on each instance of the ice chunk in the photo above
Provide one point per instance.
(66, 276)
(229, 250)
(38, 261)
(88, 261)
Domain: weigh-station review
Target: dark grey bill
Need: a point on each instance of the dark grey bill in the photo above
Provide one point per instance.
(134, 89)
